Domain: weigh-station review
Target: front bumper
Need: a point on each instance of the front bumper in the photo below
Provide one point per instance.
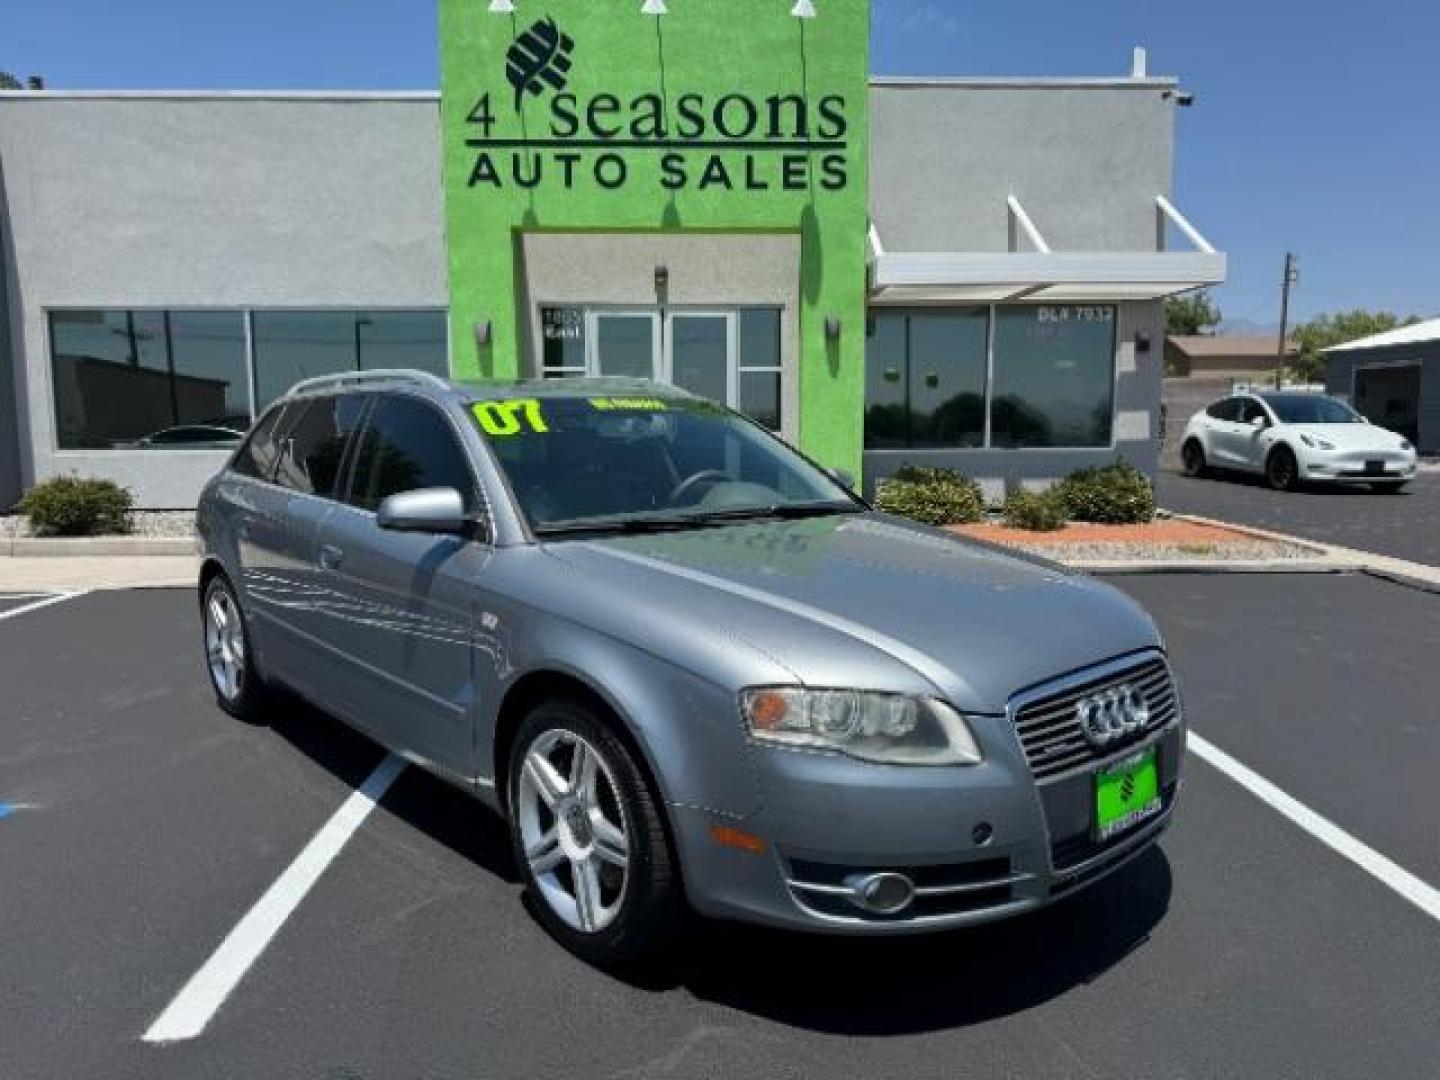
(1356, 467)
(978, 843)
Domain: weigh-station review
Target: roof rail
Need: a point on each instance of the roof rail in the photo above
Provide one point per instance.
(412, 376)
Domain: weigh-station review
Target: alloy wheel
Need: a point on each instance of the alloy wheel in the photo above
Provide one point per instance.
(224, 641)
(572, 830)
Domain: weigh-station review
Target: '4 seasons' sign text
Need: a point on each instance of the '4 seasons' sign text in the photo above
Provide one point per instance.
(729, 142)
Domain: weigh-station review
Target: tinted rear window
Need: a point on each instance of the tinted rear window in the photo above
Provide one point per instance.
(257, 457)
(313, 444)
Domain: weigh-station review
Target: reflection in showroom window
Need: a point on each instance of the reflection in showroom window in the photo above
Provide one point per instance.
(1054, 376)
(138, 379)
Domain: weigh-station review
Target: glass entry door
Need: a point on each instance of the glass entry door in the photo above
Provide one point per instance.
(699, 352)
(625, 344)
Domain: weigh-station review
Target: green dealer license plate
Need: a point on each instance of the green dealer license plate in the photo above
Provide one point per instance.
(1126, 794)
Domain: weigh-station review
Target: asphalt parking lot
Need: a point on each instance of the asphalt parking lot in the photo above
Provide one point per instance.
(1404, 526)
(140, 823)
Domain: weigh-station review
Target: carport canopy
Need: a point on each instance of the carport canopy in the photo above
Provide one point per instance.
(1043, 274)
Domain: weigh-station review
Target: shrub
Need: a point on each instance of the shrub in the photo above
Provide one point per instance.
(1038, 511)
(931, 496)
(70, 506)
(1109, 495)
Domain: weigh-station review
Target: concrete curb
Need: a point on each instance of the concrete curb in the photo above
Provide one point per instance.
(101, 546)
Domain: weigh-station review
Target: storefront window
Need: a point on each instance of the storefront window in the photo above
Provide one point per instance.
(925, 379)
(295, 345)
(562, 333)
(1054, 376)
(760, 368)
(1054, 370)
(149, 379)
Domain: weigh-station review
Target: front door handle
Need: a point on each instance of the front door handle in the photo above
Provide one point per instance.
(331, 557)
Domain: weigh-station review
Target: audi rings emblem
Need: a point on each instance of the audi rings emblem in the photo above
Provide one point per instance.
(1112, 715)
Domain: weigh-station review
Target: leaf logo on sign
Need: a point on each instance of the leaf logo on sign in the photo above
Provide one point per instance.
(540, 57)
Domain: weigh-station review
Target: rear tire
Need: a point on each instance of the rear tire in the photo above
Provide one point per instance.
(1282, 471)
(589, 837)
(1192, 459)
(229, 655)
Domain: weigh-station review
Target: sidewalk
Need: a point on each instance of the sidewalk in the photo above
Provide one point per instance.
(71, 573)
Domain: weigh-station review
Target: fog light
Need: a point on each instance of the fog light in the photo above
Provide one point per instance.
(883, 894)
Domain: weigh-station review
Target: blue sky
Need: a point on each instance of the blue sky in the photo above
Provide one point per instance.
(1314, 127)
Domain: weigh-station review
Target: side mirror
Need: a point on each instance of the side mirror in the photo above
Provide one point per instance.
(1259, 423)
(843, 478)
(426, 510)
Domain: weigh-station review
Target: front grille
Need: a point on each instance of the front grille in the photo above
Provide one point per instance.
(1050, 731)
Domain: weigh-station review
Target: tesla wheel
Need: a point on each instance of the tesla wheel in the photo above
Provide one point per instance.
(589, 838)
(1281, 469)
(228, 656)
(1192, 458)
(1391, 488)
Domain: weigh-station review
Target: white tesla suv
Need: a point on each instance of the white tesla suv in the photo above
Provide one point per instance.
(1295, 438)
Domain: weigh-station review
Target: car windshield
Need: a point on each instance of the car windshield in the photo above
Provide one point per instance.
(1311, 409)
(580, 464)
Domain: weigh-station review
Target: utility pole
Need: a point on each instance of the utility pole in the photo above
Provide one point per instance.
(1292, 275)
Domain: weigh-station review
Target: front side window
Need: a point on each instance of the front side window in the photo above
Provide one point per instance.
(1054, 376)
(408, 445)
(1251, 410)
(295, 345)
(579, 463)
(313, 443)
(1227, 409)
(140, 379)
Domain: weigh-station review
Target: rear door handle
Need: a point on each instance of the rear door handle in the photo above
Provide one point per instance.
(331, 557)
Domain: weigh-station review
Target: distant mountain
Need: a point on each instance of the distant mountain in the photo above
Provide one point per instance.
(1248, 326)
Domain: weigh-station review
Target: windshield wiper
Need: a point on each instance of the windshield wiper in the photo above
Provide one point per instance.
(780, 511)
(617, 528)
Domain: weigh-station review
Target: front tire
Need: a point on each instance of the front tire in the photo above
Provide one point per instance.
(229, 658)
(1192, 458)
(589, 837)
(1282, 471)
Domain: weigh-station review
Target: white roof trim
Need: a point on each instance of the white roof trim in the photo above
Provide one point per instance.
(997, 276)
(1421, 333)
(218, 95)
(1181, 222)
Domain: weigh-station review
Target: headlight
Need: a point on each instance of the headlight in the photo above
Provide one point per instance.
(1317, 443)
(893, 728)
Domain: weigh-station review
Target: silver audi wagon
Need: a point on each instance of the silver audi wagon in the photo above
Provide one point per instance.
(687, 666)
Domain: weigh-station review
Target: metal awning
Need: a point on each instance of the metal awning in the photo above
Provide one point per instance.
(1043, 274)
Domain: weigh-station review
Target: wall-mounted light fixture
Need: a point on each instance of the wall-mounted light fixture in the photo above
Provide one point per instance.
(654, 7)
(484, 333)
(1142, 341)
(832, 328)
(501, 7)
(662, 278)
(804, 9)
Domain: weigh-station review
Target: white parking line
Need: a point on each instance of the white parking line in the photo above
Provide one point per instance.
(200, 998)
(24, 609)
(1388, 873)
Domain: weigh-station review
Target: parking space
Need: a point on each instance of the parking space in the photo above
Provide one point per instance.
(1404, 525)
(18, 603)
(149, 823)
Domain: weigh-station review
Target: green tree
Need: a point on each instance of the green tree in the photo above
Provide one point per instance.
(12, 82)
(1194, 313)
(1337, 328)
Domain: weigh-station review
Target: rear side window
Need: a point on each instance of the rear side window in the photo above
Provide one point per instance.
(258, 456)
(1250, 409)
(1229, 409)
(313, 444)
(407, 445)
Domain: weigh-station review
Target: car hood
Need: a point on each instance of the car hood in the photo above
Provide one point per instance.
(1351, 436)
(838, 600)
